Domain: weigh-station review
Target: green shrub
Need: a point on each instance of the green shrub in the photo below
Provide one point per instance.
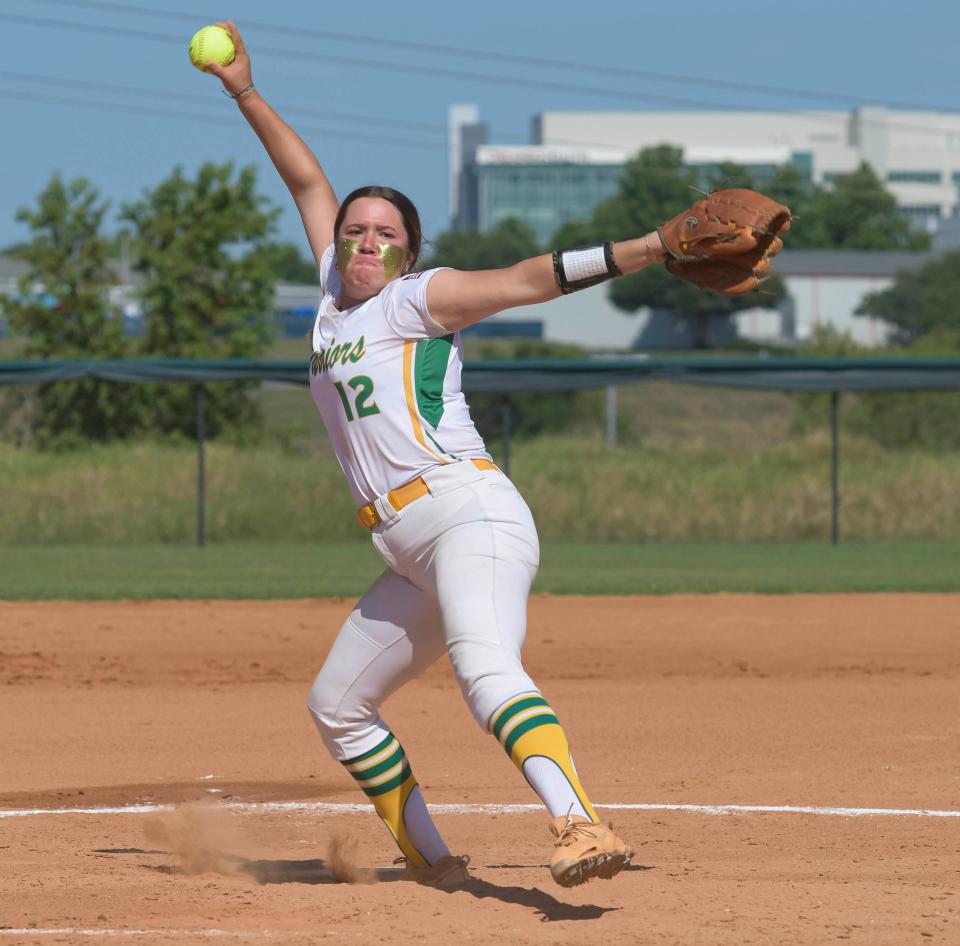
(897, 420)
(532, 413)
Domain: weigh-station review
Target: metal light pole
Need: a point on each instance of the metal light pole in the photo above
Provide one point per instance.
(611, 415)
(201, 469)
(834, 468)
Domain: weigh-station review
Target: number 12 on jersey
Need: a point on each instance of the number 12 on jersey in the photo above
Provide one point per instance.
(363, 392)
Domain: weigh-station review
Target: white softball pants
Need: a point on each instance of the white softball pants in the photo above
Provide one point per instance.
(461, 561)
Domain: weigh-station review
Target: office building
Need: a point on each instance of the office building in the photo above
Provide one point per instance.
(574, 159)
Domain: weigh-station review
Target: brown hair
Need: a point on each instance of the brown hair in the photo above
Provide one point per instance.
(411, 219)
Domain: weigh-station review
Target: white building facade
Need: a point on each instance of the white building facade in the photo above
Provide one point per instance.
(575, 159)
(576, 156)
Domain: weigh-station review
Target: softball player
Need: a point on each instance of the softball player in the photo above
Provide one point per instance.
(459, 542)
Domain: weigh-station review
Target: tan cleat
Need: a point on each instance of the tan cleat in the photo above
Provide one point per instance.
(448, 873)
(585, 849)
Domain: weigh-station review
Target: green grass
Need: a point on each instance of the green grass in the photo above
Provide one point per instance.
(750, 568)
(346, 570)
(579, 491)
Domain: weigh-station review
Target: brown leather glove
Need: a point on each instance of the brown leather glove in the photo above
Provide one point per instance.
(726, 242)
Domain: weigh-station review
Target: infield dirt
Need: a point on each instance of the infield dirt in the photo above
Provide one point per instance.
(849, 701)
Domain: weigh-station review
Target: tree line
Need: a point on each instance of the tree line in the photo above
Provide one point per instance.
(205, 251)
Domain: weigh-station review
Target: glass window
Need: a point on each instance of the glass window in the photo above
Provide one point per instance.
(914, 177)
(544, 196)
(925, 217)
(803, 162)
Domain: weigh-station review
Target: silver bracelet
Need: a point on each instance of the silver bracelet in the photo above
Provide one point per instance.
(236, 95)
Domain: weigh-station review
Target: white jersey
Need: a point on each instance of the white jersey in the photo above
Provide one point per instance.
(386, 380)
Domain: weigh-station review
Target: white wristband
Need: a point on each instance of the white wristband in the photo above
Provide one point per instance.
(578, 269)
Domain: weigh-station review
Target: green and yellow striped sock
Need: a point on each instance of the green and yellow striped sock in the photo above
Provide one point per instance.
(386, 779)
(529, 731)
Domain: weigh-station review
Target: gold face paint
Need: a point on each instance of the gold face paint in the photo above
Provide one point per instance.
(391, 255)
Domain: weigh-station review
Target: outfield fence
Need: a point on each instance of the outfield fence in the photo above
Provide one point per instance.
(506, 377)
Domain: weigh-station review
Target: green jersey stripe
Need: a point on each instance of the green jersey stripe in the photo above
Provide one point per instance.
(429, 370)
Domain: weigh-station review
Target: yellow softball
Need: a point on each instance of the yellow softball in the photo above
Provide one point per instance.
(211, 44)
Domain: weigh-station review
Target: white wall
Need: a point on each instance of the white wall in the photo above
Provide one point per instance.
(832, 300)
(585, 318)
(588, 318)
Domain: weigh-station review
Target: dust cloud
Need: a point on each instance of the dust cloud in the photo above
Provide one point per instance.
(200, 834)
(342, 861)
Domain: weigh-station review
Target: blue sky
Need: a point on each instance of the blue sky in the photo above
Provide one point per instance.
(80, 96)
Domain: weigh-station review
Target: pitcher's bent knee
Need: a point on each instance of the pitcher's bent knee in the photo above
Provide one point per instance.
(488, 677)
(337, 718)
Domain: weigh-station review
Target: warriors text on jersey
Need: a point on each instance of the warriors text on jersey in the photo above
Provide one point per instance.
(386, 380)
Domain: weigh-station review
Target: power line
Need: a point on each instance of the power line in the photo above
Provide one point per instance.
(217, 101)
(210, 119)
(433, 71)
(512, 81)
(116, 89)
(415, 68)
(180, 115)
(537, 61)
(187, 98)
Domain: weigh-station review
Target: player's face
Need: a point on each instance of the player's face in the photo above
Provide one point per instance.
(372, 246)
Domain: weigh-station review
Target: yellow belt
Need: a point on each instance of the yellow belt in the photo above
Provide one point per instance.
(402, 496)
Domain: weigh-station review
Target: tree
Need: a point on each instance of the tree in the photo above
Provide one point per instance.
(532, 412)
(790, 187)
(858, 213)
(575, 233)
(202, 247)
(508, 243)
(63, 311)
(655, 187)
(921, 301)
(729, 174)
(289, 265)
(897, 420)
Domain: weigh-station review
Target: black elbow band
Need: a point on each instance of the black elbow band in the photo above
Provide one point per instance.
(582, 268)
